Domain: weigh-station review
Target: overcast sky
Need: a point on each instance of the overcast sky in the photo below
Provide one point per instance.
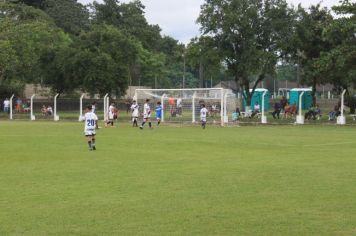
(177, 17)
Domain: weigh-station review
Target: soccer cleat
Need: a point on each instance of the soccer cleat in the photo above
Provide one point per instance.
(141, 127)
(94, 148)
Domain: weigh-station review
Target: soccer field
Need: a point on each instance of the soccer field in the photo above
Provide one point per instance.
(267, 180)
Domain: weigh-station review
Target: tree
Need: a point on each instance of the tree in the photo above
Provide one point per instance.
(128, 17)
(309, 43)
(69, 15)
(203, 55)
(250, 35)
(26, 34)
(103, 59)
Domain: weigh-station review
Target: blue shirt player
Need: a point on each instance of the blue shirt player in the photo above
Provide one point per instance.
(158, 113)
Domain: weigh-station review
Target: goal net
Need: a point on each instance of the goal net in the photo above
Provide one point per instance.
(183, 105)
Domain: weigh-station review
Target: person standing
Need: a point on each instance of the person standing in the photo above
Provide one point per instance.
(7, 105)
(158, 113)
(277, 110)
(203, 115)
(146, 115)
(91, 123)
(134, 108)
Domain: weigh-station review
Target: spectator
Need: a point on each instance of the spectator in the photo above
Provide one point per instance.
(277, 110)
(293, 110)
(172, 106)
(236, 115)
(128, 106)
(317, 112)
(49, 110)
(256, 110)
(93, 106)
(26, 107)
(44, 110)
(18, 106)
(335, 113)
(287, 110)
(284, 102)
(179, 106)
(7, 105)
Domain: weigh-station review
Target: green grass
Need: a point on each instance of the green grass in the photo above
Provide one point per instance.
(289, 180)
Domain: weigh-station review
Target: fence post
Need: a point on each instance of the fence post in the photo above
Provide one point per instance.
(55, 117)
(105, 107)
(300, 117)
(162, 104)
(263, 117)
(193, 108)
(32, 117)
(81, 108)
(11, 106)
(341, 120)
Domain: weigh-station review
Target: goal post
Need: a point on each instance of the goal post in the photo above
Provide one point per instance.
(183, 105)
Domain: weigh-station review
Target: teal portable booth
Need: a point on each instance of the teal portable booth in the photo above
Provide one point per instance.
(307, 99)
(257, 97)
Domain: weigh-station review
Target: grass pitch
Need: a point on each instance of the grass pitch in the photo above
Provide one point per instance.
(286, 180)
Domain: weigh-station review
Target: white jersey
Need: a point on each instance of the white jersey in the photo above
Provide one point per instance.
(203, 114)
(134, 109)
(179, 102)
(6, 103)
(146, 111)
(111, 113)
(90, 123)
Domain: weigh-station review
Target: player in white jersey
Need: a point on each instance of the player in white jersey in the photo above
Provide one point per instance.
(134, 108)
(91, 123)
(111, 115)
(203, 115)
(146, 114)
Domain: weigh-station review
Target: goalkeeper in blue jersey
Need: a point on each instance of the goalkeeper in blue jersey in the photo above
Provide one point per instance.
(158, 113)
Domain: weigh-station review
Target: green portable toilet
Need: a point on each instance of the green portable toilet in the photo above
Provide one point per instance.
(307, 99)
(257, 97)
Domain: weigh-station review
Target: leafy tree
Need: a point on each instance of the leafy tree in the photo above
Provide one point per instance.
(103, 59)
(203, 55)
(338, 64)
(69, 15)
(128, 17)
(33, 3)
(26, 34)
(310, 43)
(152, 67)
(250, 35)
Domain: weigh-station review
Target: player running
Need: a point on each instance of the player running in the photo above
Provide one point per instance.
(146, 115)
(91, 123)
(134, 108)
(203, 115)
(158, 113)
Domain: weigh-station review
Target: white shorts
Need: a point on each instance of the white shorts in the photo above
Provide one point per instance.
(89, 133)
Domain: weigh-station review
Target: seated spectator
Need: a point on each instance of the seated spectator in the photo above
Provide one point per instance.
(49, 110)
(293, 110)
(310, 114)
(287, 110)
(26, 107)
(335, 113)
(317, 112)
(277, 110)
(313, 113)
(256, 110)
(44, 110)
(236, 115)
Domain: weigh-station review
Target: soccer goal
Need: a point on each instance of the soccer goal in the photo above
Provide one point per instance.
(183, 105)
